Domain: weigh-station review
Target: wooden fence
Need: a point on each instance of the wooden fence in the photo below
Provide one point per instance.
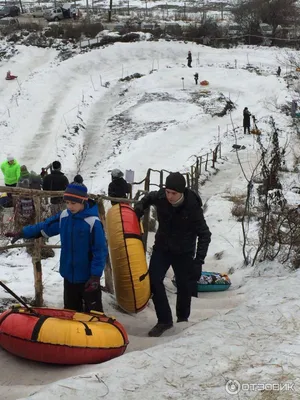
(200, 165)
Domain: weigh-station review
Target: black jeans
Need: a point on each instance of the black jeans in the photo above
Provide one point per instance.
(13, 185)
(183, 268)
(246, 128)
(75, 298)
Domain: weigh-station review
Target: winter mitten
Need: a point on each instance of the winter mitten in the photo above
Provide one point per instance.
(15, 235)
(92, 284)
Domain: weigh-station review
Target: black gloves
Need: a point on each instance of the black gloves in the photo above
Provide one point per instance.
(139, 210)
(15, 235)
(198, 268)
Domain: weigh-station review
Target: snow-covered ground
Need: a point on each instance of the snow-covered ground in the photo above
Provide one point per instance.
(249, 333)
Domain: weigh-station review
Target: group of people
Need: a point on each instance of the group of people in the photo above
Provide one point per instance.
(182, 240)
(19, 176)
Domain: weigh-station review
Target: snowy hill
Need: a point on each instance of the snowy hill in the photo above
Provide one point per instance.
(59, 109)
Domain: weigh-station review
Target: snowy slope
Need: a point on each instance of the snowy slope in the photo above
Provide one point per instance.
(153, 122)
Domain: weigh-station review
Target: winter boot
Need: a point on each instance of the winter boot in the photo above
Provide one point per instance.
(182, 320)
(159, 329)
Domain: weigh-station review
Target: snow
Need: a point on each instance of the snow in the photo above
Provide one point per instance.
(248, 333)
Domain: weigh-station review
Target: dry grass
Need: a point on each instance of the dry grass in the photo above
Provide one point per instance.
(238, 209)
(238, 199)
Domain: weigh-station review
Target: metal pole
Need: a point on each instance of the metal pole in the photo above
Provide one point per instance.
(13, 294)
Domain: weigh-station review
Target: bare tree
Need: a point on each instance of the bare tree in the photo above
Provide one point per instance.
(250, 13)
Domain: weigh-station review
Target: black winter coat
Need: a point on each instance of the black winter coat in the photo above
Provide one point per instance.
(246, 120)
(118, 188)
(55, 181)
(179, 227)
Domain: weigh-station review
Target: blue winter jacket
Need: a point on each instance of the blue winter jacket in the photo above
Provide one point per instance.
(83, 243)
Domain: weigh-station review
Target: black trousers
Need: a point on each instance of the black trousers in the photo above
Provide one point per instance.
(13, 185)
(184, 270)
(75, 298)
(246, 128)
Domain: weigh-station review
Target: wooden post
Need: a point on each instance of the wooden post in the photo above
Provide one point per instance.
(109, 285)
(147, 212)
(197, 175)
(161, 179)
(206, 162)
(188, 182)
(36, 258)
(214, 157)
(192, 177)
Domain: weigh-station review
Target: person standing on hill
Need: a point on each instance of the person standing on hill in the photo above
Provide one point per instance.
(196, 77)
(189, 58)
(56, 180)
(278, 72)
(246, 120)
(11, 170)
(118, 187)
(182, 240)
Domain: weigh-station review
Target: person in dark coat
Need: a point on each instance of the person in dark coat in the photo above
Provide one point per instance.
(196, 77)
(118, 187)
(189, 58)
(278, 71)
(182, 240)
(246, 120)
(56, 180)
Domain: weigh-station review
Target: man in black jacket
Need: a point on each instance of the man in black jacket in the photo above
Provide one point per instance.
(181, 223)
(246, 120)
(118, 187)
(56, 180)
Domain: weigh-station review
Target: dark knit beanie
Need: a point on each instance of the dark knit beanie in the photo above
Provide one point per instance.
(176, 181)
(76, 192)
(78, 179)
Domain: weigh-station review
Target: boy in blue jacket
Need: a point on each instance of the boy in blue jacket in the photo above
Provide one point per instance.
(83, 248)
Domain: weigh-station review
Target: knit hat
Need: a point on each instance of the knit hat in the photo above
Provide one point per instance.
(116, 173)
(176, 181)
(24, 172)
(10, 158)
(78, 179)
(56, 165)
(76, 192)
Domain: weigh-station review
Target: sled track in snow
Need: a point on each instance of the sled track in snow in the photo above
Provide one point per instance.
(45, 137)
(98, 143)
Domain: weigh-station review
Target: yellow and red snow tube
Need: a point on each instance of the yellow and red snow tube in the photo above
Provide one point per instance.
(129, 265)
(61, 336)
